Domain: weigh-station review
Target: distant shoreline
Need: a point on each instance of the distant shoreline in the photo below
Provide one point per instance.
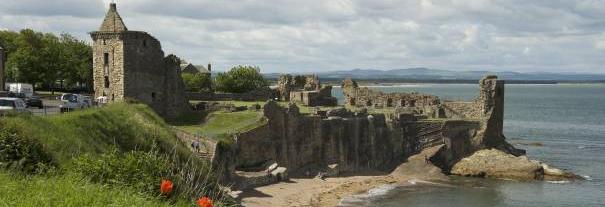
(338, 81)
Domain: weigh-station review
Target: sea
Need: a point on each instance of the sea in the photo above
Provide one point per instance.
(560, 124)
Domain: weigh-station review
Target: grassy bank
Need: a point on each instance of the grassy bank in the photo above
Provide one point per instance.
(220, 125)
(111, 156)
(18, 190)
(122, 126)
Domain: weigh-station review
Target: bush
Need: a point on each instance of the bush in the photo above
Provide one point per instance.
(143, 171)
(139, 170)
(25, 155)
(197, 82)
(241, 79)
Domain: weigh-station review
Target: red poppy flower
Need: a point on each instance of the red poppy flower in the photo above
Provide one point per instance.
(204, 202)
(166, 187)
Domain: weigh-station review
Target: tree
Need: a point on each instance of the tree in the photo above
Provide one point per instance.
(43, 59)
(197, 82)
(240, 79)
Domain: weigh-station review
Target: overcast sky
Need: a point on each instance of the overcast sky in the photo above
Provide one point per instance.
(321, 35)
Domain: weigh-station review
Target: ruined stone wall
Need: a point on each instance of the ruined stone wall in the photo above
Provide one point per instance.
(365, 97)
(356, 142)
(321, 97)
(305, 90)
(256, 95)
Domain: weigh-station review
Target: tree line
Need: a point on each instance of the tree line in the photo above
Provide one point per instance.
(47, 61)
(63, 62)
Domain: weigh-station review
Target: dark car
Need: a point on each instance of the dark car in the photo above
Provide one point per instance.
(31, 101)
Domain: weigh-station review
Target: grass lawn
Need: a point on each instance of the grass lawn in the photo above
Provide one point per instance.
(64, 190)
(220, 124)
(97, 130)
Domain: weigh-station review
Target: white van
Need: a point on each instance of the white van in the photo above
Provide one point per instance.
(25, 88)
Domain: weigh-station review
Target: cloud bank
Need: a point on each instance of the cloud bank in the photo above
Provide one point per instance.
(320, 35)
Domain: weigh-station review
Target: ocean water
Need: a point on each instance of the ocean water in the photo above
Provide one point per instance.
(567, 120)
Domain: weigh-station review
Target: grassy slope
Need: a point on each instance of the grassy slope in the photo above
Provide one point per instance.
(68, 191)
(95, 131)
(220, 124)
(124, 126)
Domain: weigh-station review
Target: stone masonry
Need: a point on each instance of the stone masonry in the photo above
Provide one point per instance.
(2, 65)
(306, 90)
(360, 140)
(130, 65)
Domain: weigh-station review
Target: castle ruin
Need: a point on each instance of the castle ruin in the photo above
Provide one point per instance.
(306, 90)
(357, 138)
(131, 65)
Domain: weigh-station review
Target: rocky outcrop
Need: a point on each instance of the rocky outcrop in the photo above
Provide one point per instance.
(493, 163)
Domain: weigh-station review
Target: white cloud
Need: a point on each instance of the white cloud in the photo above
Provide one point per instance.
(316, 35)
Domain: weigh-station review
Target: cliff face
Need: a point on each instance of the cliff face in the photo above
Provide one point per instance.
(357, 141)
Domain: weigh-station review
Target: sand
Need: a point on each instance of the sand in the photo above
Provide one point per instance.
(329, 192)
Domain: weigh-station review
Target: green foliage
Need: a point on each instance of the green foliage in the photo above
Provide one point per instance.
(44, 58)
(240, 79)
(122, 150)
(69, 190)
(143, 171)
(22, 154)
(197, 82)
(137, 169)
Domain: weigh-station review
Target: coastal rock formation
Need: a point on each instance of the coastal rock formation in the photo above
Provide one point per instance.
(493, 163)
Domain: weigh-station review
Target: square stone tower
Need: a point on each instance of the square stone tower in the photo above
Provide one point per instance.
(2, 63)
(130, 65)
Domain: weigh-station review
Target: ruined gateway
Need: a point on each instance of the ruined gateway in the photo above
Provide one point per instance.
(359, 140)
(130, 65)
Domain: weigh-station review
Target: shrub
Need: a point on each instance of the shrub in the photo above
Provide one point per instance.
(240, 79)
(139, 170)
(144, 171)
(21, 154)
(197, 82)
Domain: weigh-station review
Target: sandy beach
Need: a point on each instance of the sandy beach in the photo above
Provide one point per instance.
(329, 192)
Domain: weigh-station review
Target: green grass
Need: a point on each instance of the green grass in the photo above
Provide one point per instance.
(66, 190)
(94, 132)
(122, 126)
(219, 125)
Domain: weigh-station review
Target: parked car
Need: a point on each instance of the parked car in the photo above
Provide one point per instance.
(9, 104)
(72, 101)
(31, 101)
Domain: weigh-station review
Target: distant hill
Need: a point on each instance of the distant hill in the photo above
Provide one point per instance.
(435, 75)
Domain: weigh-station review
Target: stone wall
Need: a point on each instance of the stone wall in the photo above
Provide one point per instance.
(305, 90)
(354, 142)
(419, 104)
(256, 95)
(357, 140)
(321, 97)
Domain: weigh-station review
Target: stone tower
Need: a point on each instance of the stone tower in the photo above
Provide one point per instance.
(2, 63)
(491, 107)
(130, 65)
